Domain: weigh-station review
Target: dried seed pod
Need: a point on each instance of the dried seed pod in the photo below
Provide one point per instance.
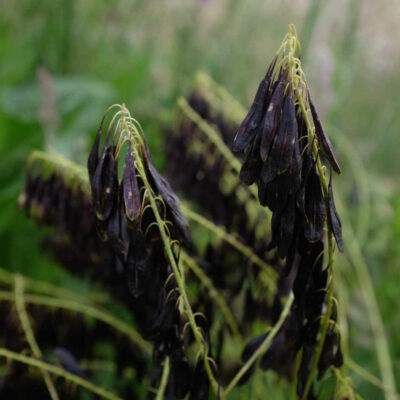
(252, 121)
(130, 188)
(69, 362)
(171, 200)
(323, 139)
(334, 218)
(314, 208)
(93, 159)
(104, 184)
(200, 383)
(251, 166)
(250, 348)
(285, 140)
(271, 118)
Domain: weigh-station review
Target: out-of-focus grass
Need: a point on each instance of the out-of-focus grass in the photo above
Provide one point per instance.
(145, 53)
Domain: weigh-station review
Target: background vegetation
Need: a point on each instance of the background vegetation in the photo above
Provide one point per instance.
(145, 53)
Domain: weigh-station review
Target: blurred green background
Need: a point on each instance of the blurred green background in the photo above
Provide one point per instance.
(63, 62)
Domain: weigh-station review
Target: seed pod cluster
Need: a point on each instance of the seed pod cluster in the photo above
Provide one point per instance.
(276, 143)
(126, 220)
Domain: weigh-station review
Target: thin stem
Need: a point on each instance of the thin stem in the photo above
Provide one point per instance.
(217, 140)
(229, 238)
(84, 309)
(211, 133)
(213, 292)
(50, 289)
(164, 380)
(59, 372)
(262, 349)
(30, 337)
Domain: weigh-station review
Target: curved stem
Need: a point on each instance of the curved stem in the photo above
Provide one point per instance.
(59, 372)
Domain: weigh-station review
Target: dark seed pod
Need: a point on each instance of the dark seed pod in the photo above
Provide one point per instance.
(171, 200)
(130, 188)
(251, 166)
(334, 218)
(180, 371)
(137, 265)
(323, 139)
(94, 153)
(285, 140)
(104, 184)
(200, 383)
(69, 362)
(331, 353)
(271, 118)
(314, 208)
(252, 121)
(285, 231)
(113, 228)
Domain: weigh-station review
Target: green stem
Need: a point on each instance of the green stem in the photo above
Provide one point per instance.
(213, 292)
(30, 337)
(59, 372)
(84, 309)
(164, 380)
(262, 349)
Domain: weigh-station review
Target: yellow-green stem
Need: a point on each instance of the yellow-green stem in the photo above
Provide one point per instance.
(207, 282)
(262, 349)
(164, 380)
(58, 372)
(30, 337)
